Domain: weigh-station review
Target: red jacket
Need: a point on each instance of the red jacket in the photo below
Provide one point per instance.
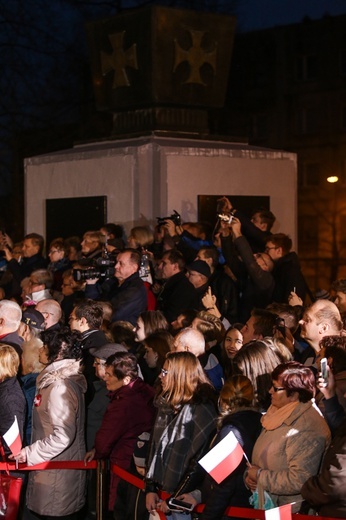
(129, 413)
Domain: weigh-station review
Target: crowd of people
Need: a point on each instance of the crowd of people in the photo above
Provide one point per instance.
(149, 352)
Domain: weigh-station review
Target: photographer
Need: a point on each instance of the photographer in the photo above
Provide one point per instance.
(187, 238)
(129, 296)
(32, 259)
(256, 229)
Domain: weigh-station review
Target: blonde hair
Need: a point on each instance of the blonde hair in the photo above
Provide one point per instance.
(279, 347)
(30, 360)
(9, 362)
(142, 235)
(184, 378)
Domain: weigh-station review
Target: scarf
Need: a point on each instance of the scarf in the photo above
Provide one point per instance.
(275, 417)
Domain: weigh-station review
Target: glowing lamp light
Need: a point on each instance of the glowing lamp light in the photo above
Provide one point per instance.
(332, 179)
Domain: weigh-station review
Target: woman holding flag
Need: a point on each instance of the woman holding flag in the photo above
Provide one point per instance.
(12, 400)
(185, 421)
(239, 416)
(57, 430)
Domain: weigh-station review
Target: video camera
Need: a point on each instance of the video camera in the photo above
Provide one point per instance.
(103, 268)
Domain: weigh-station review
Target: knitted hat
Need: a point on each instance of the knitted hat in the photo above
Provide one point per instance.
(322, 294)
(200, 267)
(141, 449)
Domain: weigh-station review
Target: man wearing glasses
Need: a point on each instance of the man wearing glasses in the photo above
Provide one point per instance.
(287, 274)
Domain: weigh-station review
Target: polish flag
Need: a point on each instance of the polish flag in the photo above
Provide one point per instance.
(12, 437)
(279, 513)
(224, 458)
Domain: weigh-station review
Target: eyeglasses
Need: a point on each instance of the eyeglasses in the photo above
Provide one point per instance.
(269, 248)
(164, 372)
(278, 388)
(52, 251)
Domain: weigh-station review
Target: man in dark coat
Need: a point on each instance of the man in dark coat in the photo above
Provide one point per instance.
(129, 297)
(287, 274)
(177, 293)
(258, 283)
(222, 286)
(87, 318)
(32, 260)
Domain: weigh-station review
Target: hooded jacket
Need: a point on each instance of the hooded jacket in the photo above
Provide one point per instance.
(57, 434)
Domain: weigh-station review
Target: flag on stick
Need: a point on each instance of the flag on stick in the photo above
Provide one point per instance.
(12, 437)
(279, 513)
(224, 458)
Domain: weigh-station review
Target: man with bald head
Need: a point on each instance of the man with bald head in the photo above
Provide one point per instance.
(321, 319)
(192, 340)
(51, 311)
(189, 340)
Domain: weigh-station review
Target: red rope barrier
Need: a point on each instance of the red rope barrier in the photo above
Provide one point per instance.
(51, 464)
(241, 512)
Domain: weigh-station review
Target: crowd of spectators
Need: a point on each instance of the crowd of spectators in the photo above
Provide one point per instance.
(148, 352)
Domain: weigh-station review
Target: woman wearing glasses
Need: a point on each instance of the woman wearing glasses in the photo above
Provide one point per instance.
(293, 440)
(185, 420)
(129, 414)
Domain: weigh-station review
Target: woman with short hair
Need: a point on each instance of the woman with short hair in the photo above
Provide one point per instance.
(294, 437)
(129, 413)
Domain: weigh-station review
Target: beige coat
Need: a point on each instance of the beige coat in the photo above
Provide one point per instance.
(57, 434)
(291, 453)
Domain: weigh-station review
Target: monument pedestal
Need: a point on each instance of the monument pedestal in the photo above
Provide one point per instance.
(147, 177)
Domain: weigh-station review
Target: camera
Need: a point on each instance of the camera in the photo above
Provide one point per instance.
(226, 218)
(175, 217)
(100, 268)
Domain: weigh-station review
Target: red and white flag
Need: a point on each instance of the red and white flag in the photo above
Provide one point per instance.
(224, 458)
(279, 513)
(12, 437)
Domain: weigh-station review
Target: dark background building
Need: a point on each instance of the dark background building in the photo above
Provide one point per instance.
(287, 90)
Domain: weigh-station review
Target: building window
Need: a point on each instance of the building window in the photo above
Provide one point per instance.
(307, 67)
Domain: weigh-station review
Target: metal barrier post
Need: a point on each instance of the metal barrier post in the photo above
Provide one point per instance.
(100, 489)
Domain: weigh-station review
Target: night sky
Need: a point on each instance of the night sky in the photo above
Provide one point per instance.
(261, 14)
(43, 54)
